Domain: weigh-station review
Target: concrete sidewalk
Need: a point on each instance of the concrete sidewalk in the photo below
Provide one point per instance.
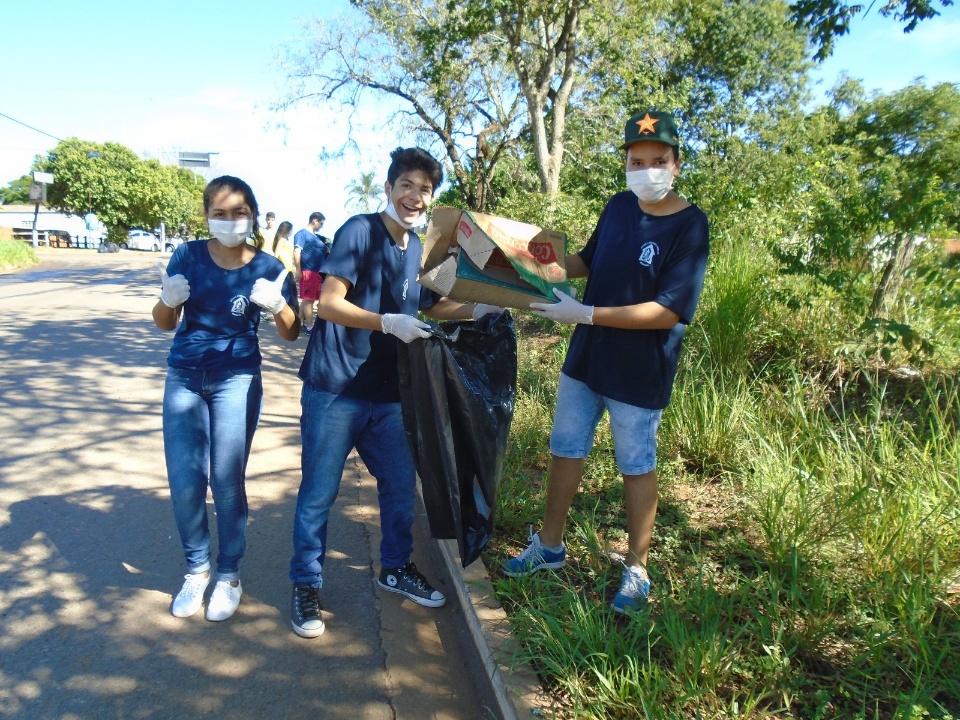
(90, 557)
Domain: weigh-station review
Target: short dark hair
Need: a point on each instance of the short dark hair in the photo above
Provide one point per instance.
(271, 215)
(316, 216)
(403, 160)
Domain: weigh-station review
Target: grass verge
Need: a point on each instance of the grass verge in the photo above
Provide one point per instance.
(15, 254)
(805, 562)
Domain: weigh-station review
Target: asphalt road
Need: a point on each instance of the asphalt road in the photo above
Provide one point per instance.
(89, 556)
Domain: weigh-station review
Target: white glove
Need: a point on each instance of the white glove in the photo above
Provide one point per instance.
(268, 294)
(567, 311)
(405, 327)
(175, 290)
(480, 309)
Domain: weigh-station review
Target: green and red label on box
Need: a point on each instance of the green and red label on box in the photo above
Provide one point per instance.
(474, 257)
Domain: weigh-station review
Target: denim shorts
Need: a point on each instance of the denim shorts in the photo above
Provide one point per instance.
(578, 412)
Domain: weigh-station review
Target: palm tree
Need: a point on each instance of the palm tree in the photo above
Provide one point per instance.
(363, 192)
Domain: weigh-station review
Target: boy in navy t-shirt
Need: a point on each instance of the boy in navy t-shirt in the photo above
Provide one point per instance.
(645, 264)
(351, 384)
(309, 250)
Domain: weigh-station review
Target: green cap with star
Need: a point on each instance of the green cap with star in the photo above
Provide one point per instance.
(651, 125)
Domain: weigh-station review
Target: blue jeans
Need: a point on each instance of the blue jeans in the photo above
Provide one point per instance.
(209, 418)
(330, 426)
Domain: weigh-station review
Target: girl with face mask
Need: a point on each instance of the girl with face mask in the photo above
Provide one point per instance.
(213, 293)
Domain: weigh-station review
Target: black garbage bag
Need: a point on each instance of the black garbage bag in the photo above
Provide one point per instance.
(457, 390)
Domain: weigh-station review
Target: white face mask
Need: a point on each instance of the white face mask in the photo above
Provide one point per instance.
(651, 185)
(392, 212)
(231, 232)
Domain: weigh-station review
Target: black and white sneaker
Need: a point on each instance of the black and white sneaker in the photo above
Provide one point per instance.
(408, 581)
(306, 613)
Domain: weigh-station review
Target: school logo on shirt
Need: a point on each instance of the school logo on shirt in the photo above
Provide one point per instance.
(648, 252)
(406, 285)
(238, 306)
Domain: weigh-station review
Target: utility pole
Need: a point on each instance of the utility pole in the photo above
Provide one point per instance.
(38, 193)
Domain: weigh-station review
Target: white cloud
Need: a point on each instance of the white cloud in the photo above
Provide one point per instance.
(931, 36)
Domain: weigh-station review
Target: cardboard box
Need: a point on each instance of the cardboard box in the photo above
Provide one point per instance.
(473, 257)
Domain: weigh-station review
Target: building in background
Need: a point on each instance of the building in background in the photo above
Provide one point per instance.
(54, 228)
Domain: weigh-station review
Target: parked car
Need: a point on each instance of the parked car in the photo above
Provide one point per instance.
(138, 239)
(172, 243)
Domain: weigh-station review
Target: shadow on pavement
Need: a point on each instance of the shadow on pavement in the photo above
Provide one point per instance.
(90, 559)
(86, 633)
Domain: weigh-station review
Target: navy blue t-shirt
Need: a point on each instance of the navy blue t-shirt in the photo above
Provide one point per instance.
(355, 362)
(313, 250)
(218, 330)
(635, 258)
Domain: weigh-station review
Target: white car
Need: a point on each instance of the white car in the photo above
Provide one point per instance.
(141, 240)
(172, 243)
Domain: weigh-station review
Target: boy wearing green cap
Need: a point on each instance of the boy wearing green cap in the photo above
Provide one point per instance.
(645, 264)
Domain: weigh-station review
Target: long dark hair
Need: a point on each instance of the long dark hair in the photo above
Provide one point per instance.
(234, 184)
(283, 230)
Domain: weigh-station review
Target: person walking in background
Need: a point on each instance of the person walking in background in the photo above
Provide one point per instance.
(282, 246)
(310, 244)
(645, 264)
(268, 230)
(212, 294)
(259, 240)
(351, 385)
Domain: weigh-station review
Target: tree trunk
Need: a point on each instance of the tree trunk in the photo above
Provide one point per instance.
(554, 56)
(885, 297)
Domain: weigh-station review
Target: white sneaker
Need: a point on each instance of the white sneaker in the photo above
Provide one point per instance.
(223, 600)
(190, 597)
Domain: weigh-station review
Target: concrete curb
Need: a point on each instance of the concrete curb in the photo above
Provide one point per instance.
(516, 689)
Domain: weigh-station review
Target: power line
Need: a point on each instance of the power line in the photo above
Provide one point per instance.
(31, 127)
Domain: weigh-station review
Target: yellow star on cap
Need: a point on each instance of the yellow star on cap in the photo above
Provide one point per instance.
(647, 124)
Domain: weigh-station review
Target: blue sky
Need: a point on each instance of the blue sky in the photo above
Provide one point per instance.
(201, 75)
(879, 53)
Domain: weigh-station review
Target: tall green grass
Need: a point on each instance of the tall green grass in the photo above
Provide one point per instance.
(823, 594)
(730, 317)
(807, 542)
(16, 254)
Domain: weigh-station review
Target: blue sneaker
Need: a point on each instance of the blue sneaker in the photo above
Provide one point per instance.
(634, 588)
(535, 557)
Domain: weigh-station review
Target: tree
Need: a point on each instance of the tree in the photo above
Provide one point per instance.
(123, 190)
(17, 191)
(543, 40)
(735, 76)
(363, 192)
(411, 58)
(891, 180)
(477, 79)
